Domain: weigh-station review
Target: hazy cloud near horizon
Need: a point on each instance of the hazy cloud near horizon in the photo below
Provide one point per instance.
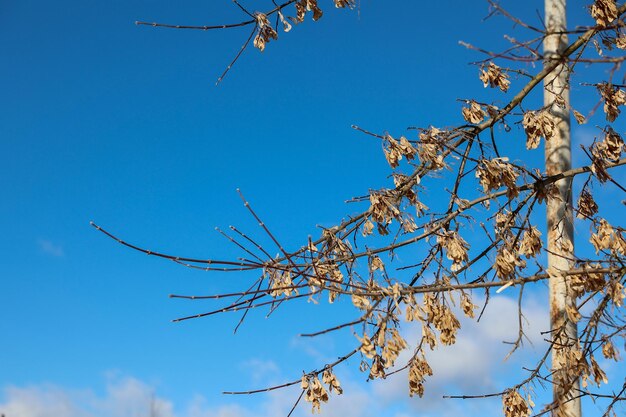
(50, 248)
(130, 397)
(473, 365)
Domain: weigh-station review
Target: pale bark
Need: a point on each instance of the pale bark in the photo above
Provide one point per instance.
(560, 236)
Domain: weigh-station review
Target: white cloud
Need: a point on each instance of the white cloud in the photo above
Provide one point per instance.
(126, 397)
(41, 401)
(261, 370)
(130, 397)
(50, 248)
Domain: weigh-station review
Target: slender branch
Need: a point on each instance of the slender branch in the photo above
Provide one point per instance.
(214, 27)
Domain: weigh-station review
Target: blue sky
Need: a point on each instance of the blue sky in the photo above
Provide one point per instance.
(107, 121)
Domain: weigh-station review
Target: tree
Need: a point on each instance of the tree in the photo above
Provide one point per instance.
(486, 191)
(559, 212)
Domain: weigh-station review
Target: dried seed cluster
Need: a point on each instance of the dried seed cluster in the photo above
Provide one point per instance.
(606, 152)
(474, 113)
(604, 12)
(265, 31)
(395, 150)
(530, 246)
(493, 76)
(455, 247)
(587, 206)
(613, 98)
(418, 371)
(537, 125)
(495, 173)
(514, 405)
(606, 237)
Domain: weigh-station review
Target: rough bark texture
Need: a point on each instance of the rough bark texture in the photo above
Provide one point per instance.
(559, 219)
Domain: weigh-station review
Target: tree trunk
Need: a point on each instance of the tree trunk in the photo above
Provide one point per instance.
(560, 239)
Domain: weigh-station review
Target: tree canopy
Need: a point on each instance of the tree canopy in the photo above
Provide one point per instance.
(460, 220)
